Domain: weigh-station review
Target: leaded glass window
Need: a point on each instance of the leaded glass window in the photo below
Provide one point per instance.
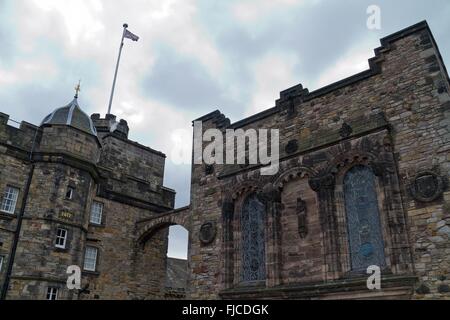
(9, 200)
(90, 259)
(253, 240)
(363, 219)
(96, 212)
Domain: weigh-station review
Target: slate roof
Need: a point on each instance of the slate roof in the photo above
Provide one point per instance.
(71, 115)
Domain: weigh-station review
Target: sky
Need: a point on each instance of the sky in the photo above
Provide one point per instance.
(193, 57)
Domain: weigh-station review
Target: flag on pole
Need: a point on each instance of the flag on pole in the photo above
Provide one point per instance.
(125, 34)
(131, 36)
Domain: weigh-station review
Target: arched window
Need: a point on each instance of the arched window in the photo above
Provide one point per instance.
(363, 219)
(253, 240)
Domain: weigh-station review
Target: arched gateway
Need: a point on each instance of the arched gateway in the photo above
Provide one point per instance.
(146, 228)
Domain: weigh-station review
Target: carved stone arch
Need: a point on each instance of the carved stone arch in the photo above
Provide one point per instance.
(327, 183)
(329, 186)
(349, 159)
(293, 173)
(375, 152)
(147, 228)
(236, 191)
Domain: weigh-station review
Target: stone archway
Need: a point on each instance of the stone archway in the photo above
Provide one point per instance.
(147, 227)
(150, 255)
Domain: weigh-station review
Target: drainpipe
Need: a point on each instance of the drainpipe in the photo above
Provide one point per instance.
(17, 235)
(12, 256)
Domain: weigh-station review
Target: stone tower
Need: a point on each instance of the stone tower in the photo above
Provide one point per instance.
(66, 148)
(73, 191)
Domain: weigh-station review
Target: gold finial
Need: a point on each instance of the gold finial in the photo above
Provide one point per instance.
(77, 89)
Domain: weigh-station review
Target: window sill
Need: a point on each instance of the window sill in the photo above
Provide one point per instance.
(252, 284)
(57, 249)
(7, 216)
(95, 225)
(90, 273)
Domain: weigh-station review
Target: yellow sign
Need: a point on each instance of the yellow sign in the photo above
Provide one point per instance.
(66, 215)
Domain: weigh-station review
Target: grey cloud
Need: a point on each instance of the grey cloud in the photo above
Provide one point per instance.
(183, 82)
(178, 177)
(318, 35)
(7, 33)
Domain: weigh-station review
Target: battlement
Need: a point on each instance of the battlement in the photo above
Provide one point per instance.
(21, 137)
(109, 124)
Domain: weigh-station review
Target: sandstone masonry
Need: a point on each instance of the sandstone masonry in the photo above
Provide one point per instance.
(363, 177)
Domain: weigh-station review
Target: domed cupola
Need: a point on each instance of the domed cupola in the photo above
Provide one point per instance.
(71, 115)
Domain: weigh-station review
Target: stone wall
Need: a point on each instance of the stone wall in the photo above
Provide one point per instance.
(405, 98)
(68, 140)
(393, 118)
(37, 258)
(125, 270)
(123, 175)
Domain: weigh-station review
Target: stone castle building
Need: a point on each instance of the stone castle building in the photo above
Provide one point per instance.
(75, 190)
(363, 181)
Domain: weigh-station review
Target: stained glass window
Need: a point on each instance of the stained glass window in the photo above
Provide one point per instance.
(363, 219)
(253, 240)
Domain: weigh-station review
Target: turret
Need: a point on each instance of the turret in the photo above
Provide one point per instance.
(71, 131)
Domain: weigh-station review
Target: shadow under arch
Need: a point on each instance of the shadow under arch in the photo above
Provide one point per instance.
(151, 260)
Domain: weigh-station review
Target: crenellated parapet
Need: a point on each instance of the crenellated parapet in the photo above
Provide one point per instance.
(18, 138)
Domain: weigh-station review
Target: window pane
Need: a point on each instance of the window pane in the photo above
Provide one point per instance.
(61, 238)
(90, 259)
(1, 263)
(69, 193)
(52, 293)
(253, 240)
(363, 219)
(9, 200)
(96, 212)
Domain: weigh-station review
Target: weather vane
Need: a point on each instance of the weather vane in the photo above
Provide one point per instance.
(77, 89)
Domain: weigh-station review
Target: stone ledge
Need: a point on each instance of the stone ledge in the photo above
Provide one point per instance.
(395, 286)
(7, 216)
(90, 273)
(103, 192)
(39, 278)
(361, 126)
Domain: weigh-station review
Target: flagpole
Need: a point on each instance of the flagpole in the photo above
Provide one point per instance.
(125, 26)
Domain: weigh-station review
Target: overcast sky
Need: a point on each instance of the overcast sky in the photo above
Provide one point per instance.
(192, 57)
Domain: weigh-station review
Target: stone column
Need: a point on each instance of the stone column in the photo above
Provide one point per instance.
(324, 186)
(400, 255)
(272, 199)
(227, 223)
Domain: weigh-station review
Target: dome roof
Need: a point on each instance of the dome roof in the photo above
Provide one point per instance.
(71, 115)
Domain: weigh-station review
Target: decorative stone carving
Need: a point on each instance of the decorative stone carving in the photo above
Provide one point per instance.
(323, 182)
(291, 111)
(269, 194)
(291, 147)
(302, 218)
(228, 210)
(346, 130)
(378, 168)
(427, 186)
(442, 88)
(209, 169)
(207, 232)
